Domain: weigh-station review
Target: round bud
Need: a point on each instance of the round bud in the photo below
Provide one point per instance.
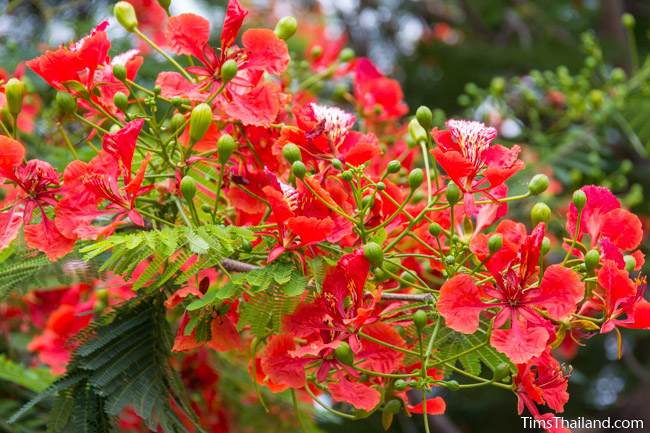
(416, 131)
(579, 199)
(538, 184)
(347, 175)
(188, 187)
(206, 207)
(316, 51)
(435, 229)
(200, 121)
(226, 145)
(121, 101)
(14, 92)
(286, 27)
(380, 186)
(298, 169)
(628, 21)
(546, 245)
(346, 55)
(453, 193)
(495, 243)
(66, 103)
(592, 258)
(630, 263)
(424, 117)
(373, 252)
(501, 372)
(337, 164)
(176, 122)
(228, 70)
(416, 177)
(393, 166)
(597, 98)
(450, 259)
(452, 385)
(380, 274)
(291, 153)
(540, 213)
(400, 385)
(343, 354)
(119, 72)
(420, 320)
(125, 15)
(368, 201)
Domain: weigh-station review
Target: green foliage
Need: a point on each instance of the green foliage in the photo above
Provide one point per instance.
(34, 379)
(122, 361)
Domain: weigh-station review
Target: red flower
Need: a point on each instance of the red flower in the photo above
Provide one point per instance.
(517, 299)
(432, 406)
(466, 153)
(541, 381)
(380, 98)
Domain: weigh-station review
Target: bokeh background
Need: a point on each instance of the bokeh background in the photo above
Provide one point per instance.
(567, 79)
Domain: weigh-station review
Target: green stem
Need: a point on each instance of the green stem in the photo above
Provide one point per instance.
(164, 54)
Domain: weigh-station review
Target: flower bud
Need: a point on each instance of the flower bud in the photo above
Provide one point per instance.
(119, 72)
(501, 372)
(435, 229)
(538, 184)
(453, 193)
(495, 243)
(628, 21)
(452, 385)
(337, 164)
(346, 55)
(420, 320)
(343, 354)
(121, 101)
(316, 52)
(188, 187)
(400, 385)
(393, 166)
(291, 153)
(225, 147)
(546, 245)
(14, 92)
(125, 15)
(286, 27)
(630, 263)
(373, 252)
(592, 258)
(416, 177)
(380, 186)
(228, 70)
(200, 121)
(347, 176)
(416, 131)
(540, 213)
(579, 199)
(66, 103)
(298, 169)
(424, 117)
(176, 122)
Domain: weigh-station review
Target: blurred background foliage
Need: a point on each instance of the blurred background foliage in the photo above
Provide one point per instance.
(568, 79)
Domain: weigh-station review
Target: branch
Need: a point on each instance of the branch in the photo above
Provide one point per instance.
(232, 265)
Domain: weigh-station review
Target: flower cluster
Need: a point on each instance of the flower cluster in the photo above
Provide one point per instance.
(395, 230)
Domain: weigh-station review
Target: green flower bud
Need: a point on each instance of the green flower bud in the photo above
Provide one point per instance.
(502, 372)
(119, 72)
(630, 263)
(495, 243)
(592, 258)
(435, 229)
(176, 122)
(228, 70)
(125, 15)
(424, 117)
(346, 55)
(121, 101)
(546, 245)
(316, 51)
(347, 175)
(367, 201)
(538, 184)
(452, 385)
(343, 353)
(540, 213)
(393, 166)
(286, 27)
(337, 164)
(416, 131)
(400, 385)
(226, 145)
(188, 187)
(380, 186)
(14, 92)
(298, 169)
(66, 103)
(453, 193)
(579, 199)
(291, 153)
(416, 177)
(206, 207)
(420, 320)
(200, 121)
(373, 252)
(628, 21)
